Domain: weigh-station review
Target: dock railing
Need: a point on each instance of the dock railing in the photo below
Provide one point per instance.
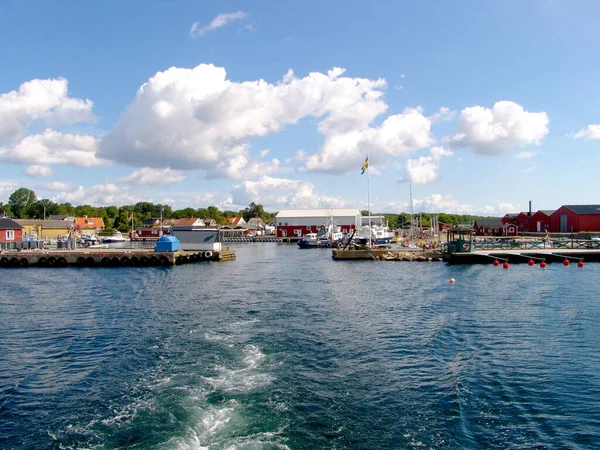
(528, 244)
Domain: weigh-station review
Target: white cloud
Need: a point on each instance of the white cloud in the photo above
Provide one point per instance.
(280, 193)
(7, 188)
(196, 119)
(100, 195)
(425, 169)
(220, 21)
(238, 165)
(39, 100)
(299, 155)
(345, 148)
(153, 177)
(525, 155)
(58, 186)
(506, 208)
(38, 171)
(590, 133)
(500, 129)
(442, 203)
(438, 203)
(54, 147)
(443, 114)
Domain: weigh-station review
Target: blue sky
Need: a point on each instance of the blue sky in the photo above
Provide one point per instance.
(479, 106)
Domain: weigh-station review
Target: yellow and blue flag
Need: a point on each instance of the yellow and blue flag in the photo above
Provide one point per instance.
(365, 166)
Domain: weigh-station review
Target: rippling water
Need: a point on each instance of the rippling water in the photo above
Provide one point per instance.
(286, 348)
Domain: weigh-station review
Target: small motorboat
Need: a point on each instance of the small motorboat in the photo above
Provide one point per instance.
(117, 236)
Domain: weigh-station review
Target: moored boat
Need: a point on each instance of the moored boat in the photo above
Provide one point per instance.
(328, 236)
(116, 237)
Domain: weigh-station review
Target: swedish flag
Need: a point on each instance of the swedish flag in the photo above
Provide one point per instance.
(365, 166)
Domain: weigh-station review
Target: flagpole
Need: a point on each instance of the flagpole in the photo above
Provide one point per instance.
(410, 234)
(369, 199)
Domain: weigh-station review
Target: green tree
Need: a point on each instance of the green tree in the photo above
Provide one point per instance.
(41, 209)
(253, 210)
(167, 211)
(214, 213)
(19, 201)
(4, 209)
(112, 212)
(183, 213)
(65, 209)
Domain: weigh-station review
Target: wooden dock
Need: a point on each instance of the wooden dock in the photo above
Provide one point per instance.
(109, 257)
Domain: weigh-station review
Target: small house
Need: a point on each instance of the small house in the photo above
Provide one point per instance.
(90, 225)
(488, 227)
(209, 222)
(234, 221)
(10, 231)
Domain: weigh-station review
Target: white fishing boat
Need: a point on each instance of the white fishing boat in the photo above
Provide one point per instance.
(116, 237)
(376, 233)
(329, 235)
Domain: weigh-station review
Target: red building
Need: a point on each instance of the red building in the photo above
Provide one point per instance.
(494, 227)
(540, 221)
(523, 221)
(510, 218)
(10, 231)
(575, 218)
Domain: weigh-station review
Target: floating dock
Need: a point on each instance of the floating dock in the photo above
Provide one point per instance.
(523, 256)
(108, 257)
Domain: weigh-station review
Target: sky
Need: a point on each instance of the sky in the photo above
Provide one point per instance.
(469, 107)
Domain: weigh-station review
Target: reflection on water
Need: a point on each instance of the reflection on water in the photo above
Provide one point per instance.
(286, 348)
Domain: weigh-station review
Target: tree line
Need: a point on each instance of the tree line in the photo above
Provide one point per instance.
(24, 204)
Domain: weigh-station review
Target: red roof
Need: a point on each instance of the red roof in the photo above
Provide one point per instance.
(235, 220)
(89, 222)
(187, 222)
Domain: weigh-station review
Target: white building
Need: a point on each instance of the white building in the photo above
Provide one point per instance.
(295, 223)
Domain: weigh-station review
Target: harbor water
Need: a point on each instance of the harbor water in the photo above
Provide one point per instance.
(286, 348)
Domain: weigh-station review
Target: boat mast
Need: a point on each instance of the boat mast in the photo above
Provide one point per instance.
(410, 234)
(369, 200)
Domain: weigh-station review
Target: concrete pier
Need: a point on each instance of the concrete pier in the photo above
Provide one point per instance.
(388, 254)
(107, 257)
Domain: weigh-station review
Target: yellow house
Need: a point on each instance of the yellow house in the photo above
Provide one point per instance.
(44, 229)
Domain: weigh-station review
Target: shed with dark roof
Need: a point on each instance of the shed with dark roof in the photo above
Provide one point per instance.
(10, 231)
(575, 218)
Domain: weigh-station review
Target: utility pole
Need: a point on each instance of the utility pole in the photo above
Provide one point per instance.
(160, 231)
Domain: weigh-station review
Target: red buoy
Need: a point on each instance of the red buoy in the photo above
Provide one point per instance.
(530, 262)
(543, 264)
(566, 262)
(505, 265)
(496, 263)
(580, 264)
